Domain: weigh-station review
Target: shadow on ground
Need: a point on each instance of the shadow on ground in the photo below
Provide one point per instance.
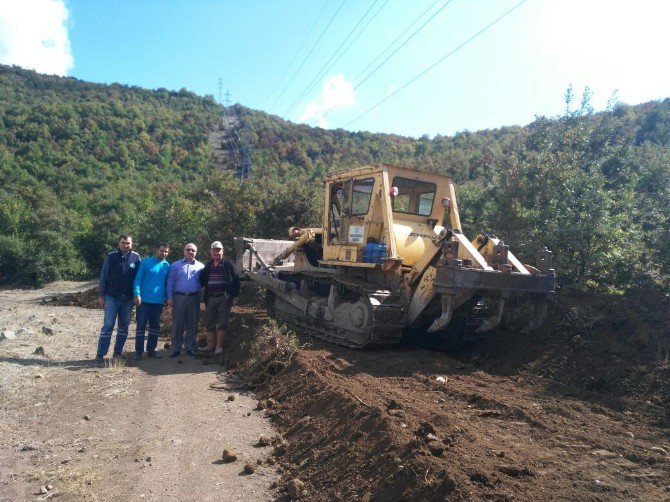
(182, 364)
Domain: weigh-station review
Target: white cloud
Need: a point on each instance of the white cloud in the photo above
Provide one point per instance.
(337, 92)
(33, 34)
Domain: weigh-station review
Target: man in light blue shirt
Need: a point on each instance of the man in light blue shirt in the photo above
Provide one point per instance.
(183, 293)
(150, 294)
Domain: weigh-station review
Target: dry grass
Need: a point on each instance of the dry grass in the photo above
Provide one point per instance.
(118, 364)
(270, 350)
(69, 483)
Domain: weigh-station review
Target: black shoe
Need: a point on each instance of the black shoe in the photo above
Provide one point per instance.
(152, 354)
(174, 354)
(190, 353)
(137, 356)
(99, 359)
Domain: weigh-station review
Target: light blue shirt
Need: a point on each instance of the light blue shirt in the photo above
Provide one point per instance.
(184, 277)
(151, 279)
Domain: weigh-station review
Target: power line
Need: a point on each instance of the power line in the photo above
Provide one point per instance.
(400, 36)
(397, 48)
(315, 122)
(372, 18)
(237, 143)
(437, 63)
(359, 33)
(309, 53)
(296, 53)
(402, 45)
(325, 66)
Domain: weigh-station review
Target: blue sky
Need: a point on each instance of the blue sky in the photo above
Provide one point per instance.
(269, 55)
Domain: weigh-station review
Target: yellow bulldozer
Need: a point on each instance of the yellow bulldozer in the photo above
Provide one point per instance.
(391, 259)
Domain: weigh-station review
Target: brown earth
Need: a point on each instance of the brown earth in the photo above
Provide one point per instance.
(579, 410)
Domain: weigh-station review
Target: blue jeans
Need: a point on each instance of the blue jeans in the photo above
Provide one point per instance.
(148, 313)
(115, 308)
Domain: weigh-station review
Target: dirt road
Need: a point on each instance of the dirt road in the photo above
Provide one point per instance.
(149, 431)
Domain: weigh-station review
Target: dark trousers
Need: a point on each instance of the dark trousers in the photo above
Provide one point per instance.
(185, 310)
(148, 313)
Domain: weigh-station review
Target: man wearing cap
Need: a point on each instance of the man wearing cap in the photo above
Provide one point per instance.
(183, 293)
(222, 287)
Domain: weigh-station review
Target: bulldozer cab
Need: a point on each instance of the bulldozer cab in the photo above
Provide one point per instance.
(383, 212)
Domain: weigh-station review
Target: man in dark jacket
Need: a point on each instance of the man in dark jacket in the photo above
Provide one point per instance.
(116, 295)
(222, 287)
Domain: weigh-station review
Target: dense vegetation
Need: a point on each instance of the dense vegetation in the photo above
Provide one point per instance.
(81, 162)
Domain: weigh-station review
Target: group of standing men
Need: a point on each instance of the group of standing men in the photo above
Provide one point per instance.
(126, 279)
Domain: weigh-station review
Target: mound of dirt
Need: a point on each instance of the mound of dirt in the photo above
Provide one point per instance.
(614, 350)
(577, 410)
(89, 299)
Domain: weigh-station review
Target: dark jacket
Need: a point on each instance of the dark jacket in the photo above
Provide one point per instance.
(233, 282)
(118, 274)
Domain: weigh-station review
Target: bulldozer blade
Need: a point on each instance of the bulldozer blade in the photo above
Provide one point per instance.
(256, 254)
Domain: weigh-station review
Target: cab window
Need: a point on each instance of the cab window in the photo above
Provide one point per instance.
(414, 197)
(361, 196)
(336, 204)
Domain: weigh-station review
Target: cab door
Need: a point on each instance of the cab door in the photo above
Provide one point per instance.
(336, 214)
(360, 196)
(348, 206)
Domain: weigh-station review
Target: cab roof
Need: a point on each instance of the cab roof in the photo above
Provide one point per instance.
(393, 170)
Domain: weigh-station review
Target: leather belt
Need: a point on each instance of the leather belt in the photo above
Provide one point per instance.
(185, 294)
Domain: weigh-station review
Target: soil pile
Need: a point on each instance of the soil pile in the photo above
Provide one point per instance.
(578, 410)
(89, 299)
(614, 350)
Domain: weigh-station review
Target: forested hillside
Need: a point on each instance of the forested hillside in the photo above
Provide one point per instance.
(81, 162)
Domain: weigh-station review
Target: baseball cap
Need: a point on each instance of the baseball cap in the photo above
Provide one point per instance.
(216, 245)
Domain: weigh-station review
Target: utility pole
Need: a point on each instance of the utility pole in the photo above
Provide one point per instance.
(237, 143)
